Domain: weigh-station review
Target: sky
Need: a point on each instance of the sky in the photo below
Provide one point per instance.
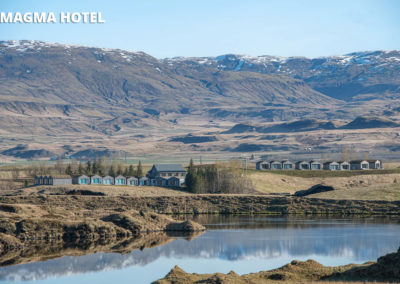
(170, 28)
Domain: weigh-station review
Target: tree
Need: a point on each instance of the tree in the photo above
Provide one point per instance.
(131, 171)
(101, 165)
(95, 169)
(191, 179)
(139, 170)
(69, 170)
(111, 172)
(89, 168)
(43, 168)
(80, 169)
(59, 166)
(119, 169)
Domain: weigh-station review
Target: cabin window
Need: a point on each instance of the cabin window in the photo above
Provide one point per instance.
(364, 166)
(276, 166)
(287, 166)
(345, 167)
(163, 174)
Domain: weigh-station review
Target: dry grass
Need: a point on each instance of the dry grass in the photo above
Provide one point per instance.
(266, 182)
(390, 192)
(273, 182)
(133, 191)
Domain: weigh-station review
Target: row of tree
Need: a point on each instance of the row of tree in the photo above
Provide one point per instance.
(218, 178)
(100, 167)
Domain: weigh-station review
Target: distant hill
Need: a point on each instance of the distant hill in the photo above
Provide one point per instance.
(191, 139)
(370, 122)
(294, 126)
(22, 151)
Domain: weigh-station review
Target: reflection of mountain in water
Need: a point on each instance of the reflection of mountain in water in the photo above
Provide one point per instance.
(354, 242)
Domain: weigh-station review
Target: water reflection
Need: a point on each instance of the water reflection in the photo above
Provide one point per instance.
(245, 244)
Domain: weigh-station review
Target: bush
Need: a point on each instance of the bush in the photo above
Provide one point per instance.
(218, 178)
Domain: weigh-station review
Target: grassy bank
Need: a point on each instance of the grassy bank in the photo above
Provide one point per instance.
(390, 192)
(278, 182)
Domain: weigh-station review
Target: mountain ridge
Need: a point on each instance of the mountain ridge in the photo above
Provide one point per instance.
(87, 98)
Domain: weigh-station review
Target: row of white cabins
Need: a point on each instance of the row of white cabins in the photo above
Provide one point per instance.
(316, 165)
(171, 175)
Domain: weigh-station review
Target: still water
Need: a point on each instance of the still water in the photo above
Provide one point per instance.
(240, 243)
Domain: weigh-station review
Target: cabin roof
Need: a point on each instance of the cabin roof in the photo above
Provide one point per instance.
(330, 162)
(78, 176)
(169, 168)
(59, 176)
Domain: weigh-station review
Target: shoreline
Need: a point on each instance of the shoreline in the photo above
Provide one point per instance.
(385, 269)
(211, 204)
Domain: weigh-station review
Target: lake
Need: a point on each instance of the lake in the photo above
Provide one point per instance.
(240, 243)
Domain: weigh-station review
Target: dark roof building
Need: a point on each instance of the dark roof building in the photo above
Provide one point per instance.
(167, 171)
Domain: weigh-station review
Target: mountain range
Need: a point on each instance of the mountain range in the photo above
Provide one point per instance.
(65, 99)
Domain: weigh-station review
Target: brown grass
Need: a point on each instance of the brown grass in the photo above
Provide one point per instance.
(378, 185)
(389, 192)
(132, 191)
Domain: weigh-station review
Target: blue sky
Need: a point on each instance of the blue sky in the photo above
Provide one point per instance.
(168, 28)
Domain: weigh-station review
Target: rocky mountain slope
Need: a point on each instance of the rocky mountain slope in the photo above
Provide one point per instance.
(355, 76)
(64, 95)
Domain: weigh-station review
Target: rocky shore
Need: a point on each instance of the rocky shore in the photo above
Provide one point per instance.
(386, 269)
(211, 204)
(25, 225)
